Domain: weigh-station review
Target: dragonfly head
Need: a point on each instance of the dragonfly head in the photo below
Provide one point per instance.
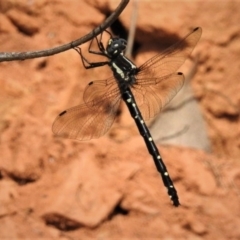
(116, 46)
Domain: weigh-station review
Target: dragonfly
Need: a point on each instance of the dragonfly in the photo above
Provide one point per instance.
(145, 90)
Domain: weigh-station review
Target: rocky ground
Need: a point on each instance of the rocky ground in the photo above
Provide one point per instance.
(108, 188)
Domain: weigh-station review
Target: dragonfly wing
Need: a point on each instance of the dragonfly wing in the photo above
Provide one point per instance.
(170, 60)
(98, 90)
(152, 98)
(89, 120)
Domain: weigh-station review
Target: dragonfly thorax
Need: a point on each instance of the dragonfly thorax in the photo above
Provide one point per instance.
(123, 70)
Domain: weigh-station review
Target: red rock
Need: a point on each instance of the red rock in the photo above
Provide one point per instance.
(109, 188)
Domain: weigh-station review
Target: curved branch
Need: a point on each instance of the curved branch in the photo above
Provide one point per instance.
(11, 56)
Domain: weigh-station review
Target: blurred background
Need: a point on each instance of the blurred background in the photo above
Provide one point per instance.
(108, 188)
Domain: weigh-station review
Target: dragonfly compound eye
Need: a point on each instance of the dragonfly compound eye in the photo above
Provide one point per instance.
(116, 46)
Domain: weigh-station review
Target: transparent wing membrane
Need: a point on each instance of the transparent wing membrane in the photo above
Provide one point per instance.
(84, 123)
(170, 60)
(153, 98)
(98, 90)
(157, 81)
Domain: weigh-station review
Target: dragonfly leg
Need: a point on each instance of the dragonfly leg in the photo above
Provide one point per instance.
(88, 64)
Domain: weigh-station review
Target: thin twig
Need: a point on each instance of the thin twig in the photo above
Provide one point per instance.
(11, 56)
(132, 29)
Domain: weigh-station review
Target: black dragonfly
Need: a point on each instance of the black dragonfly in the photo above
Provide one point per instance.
(145, 90)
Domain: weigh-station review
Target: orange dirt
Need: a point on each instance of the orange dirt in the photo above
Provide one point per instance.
(108, 188)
